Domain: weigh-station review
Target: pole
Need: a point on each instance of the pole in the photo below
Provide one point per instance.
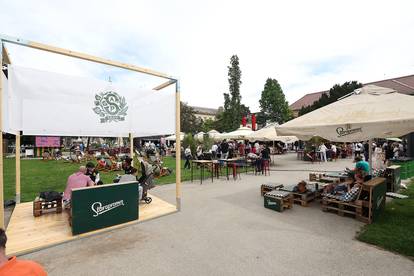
(370, 156)
(177, 147)
(1, 142)
(18, 168)
(131, 146)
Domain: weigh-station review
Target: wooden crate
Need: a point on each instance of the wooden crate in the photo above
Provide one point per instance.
(268, 187)
(315, 176)
(303, 198)
(278, 200)
(41, 207)
(355, 208)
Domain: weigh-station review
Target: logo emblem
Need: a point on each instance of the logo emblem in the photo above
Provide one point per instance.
(110, 107)
(348, 130)
(98, 209)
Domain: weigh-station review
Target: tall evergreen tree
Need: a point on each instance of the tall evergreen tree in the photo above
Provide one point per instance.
(232, 101)
(273, 104)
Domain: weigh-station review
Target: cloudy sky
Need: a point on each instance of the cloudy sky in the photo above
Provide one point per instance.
(306, 45)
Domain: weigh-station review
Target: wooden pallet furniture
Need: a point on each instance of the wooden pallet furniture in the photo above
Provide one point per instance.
(368, 205)
(303, 198)
(315, 176)
(278, 200)
(268, 187)
(41, 207)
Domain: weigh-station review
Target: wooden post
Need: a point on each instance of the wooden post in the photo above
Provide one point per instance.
(131, 146)
(1, 142)
(370, 156)
(18, 168)
(177, 147)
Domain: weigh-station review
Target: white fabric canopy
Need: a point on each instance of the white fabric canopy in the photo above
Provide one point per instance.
(371, 112)
(268, 133)
(172, 137)
(45, 103)
(214, 134)
(238, 134)
(199, 136)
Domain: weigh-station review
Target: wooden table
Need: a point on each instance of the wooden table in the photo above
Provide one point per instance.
(227, 162)
(203, 164)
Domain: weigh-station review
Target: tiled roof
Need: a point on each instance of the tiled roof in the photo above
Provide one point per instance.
(306, 100)
(205, 110)
(404, 85)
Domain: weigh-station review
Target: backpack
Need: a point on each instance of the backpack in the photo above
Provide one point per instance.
(50, 195)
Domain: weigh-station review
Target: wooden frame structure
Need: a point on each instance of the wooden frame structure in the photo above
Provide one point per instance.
(5, 59)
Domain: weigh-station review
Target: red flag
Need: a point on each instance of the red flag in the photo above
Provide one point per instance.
(253, 122)
(244, 121)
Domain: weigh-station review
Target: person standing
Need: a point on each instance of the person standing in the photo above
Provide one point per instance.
(224, 149)
(188, 156)
(214, 150)
(334, 151)
(12, 266)
(322, 150)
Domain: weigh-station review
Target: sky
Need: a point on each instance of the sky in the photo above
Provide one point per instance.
(308, 46)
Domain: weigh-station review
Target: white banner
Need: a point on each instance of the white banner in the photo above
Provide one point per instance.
(45, 103)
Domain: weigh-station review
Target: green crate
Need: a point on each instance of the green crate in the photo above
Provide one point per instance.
(275, 204)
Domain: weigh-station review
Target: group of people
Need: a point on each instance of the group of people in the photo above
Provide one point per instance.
(230, 149)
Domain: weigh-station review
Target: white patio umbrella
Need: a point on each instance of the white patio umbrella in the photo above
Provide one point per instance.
(199, 136)
(369, 112)
(268, 133)
(238, 134)
(172, 137)
(214, 134)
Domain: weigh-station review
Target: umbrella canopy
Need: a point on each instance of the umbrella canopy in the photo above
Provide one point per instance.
(371, 112)
(268, 133)
(199, 136)
(394, 139)
(172, 137)
(238, 134)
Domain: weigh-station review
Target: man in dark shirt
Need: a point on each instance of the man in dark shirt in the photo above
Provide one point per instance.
(93, 173)
(224, 149)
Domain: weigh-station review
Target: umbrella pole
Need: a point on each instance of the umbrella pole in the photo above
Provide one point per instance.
(370, 156)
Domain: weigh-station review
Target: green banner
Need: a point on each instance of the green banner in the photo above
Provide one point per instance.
(98, 207)
(378, 199)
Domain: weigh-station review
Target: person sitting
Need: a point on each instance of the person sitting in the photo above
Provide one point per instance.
(349, 196)
(127, 166)
(12, 266)
(93, 173)
(76, 180)
(362, 171)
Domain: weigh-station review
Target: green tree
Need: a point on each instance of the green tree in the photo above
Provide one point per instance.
(189, 122)
(232, 101)
(333, 95)
(273, 104)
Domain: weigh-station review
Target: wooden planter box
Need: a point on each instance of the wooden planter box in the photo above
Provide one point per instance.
(278, 200)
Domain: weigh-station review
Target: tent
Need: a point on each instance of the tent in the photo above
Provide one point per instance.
(214, 134)
(268, 133)
(199, 136)
(35, 102)
(239, 134)
(173, 137)
(369, 112)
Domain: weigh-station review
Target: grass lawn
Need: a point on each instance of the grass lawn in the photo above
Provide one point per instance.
(39, 175)
(394, 229)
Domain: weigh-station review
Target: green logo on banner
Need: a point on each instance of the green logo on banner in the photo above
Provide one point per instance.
(110, 107)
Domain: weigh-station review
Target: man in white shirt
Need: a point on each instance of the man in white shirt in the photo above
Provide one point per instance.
(333, 148)
(214, 151)
(322, 149)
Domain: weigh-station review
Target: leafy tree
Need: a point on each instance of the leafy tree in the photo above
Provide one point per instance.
(333, 95)
(208, 124)
(189, 122)
(273, 104)
(232, 101)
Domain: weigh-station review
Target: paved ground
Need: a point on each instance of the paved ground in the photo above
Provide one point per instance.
(223, 229)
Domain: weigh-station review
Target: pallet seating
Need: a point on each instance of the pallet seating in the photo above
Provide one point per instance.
(268, 187)
(278, 200)
(41, 207)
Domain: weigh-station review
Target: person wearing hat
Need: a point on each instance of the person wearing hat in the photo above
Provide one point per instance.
(93, 173)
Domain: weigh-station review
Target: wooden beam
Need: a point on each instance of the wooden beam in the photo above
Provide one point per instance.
(66, 52)
(6, 57)
(1, 148)
(18, 168)
(177, 147)
(131, 147)
(163, 85)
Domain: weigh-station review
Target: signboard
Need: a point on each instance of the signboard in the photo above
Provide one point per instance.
(98, 207)
(378, 199)
(48, 141)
